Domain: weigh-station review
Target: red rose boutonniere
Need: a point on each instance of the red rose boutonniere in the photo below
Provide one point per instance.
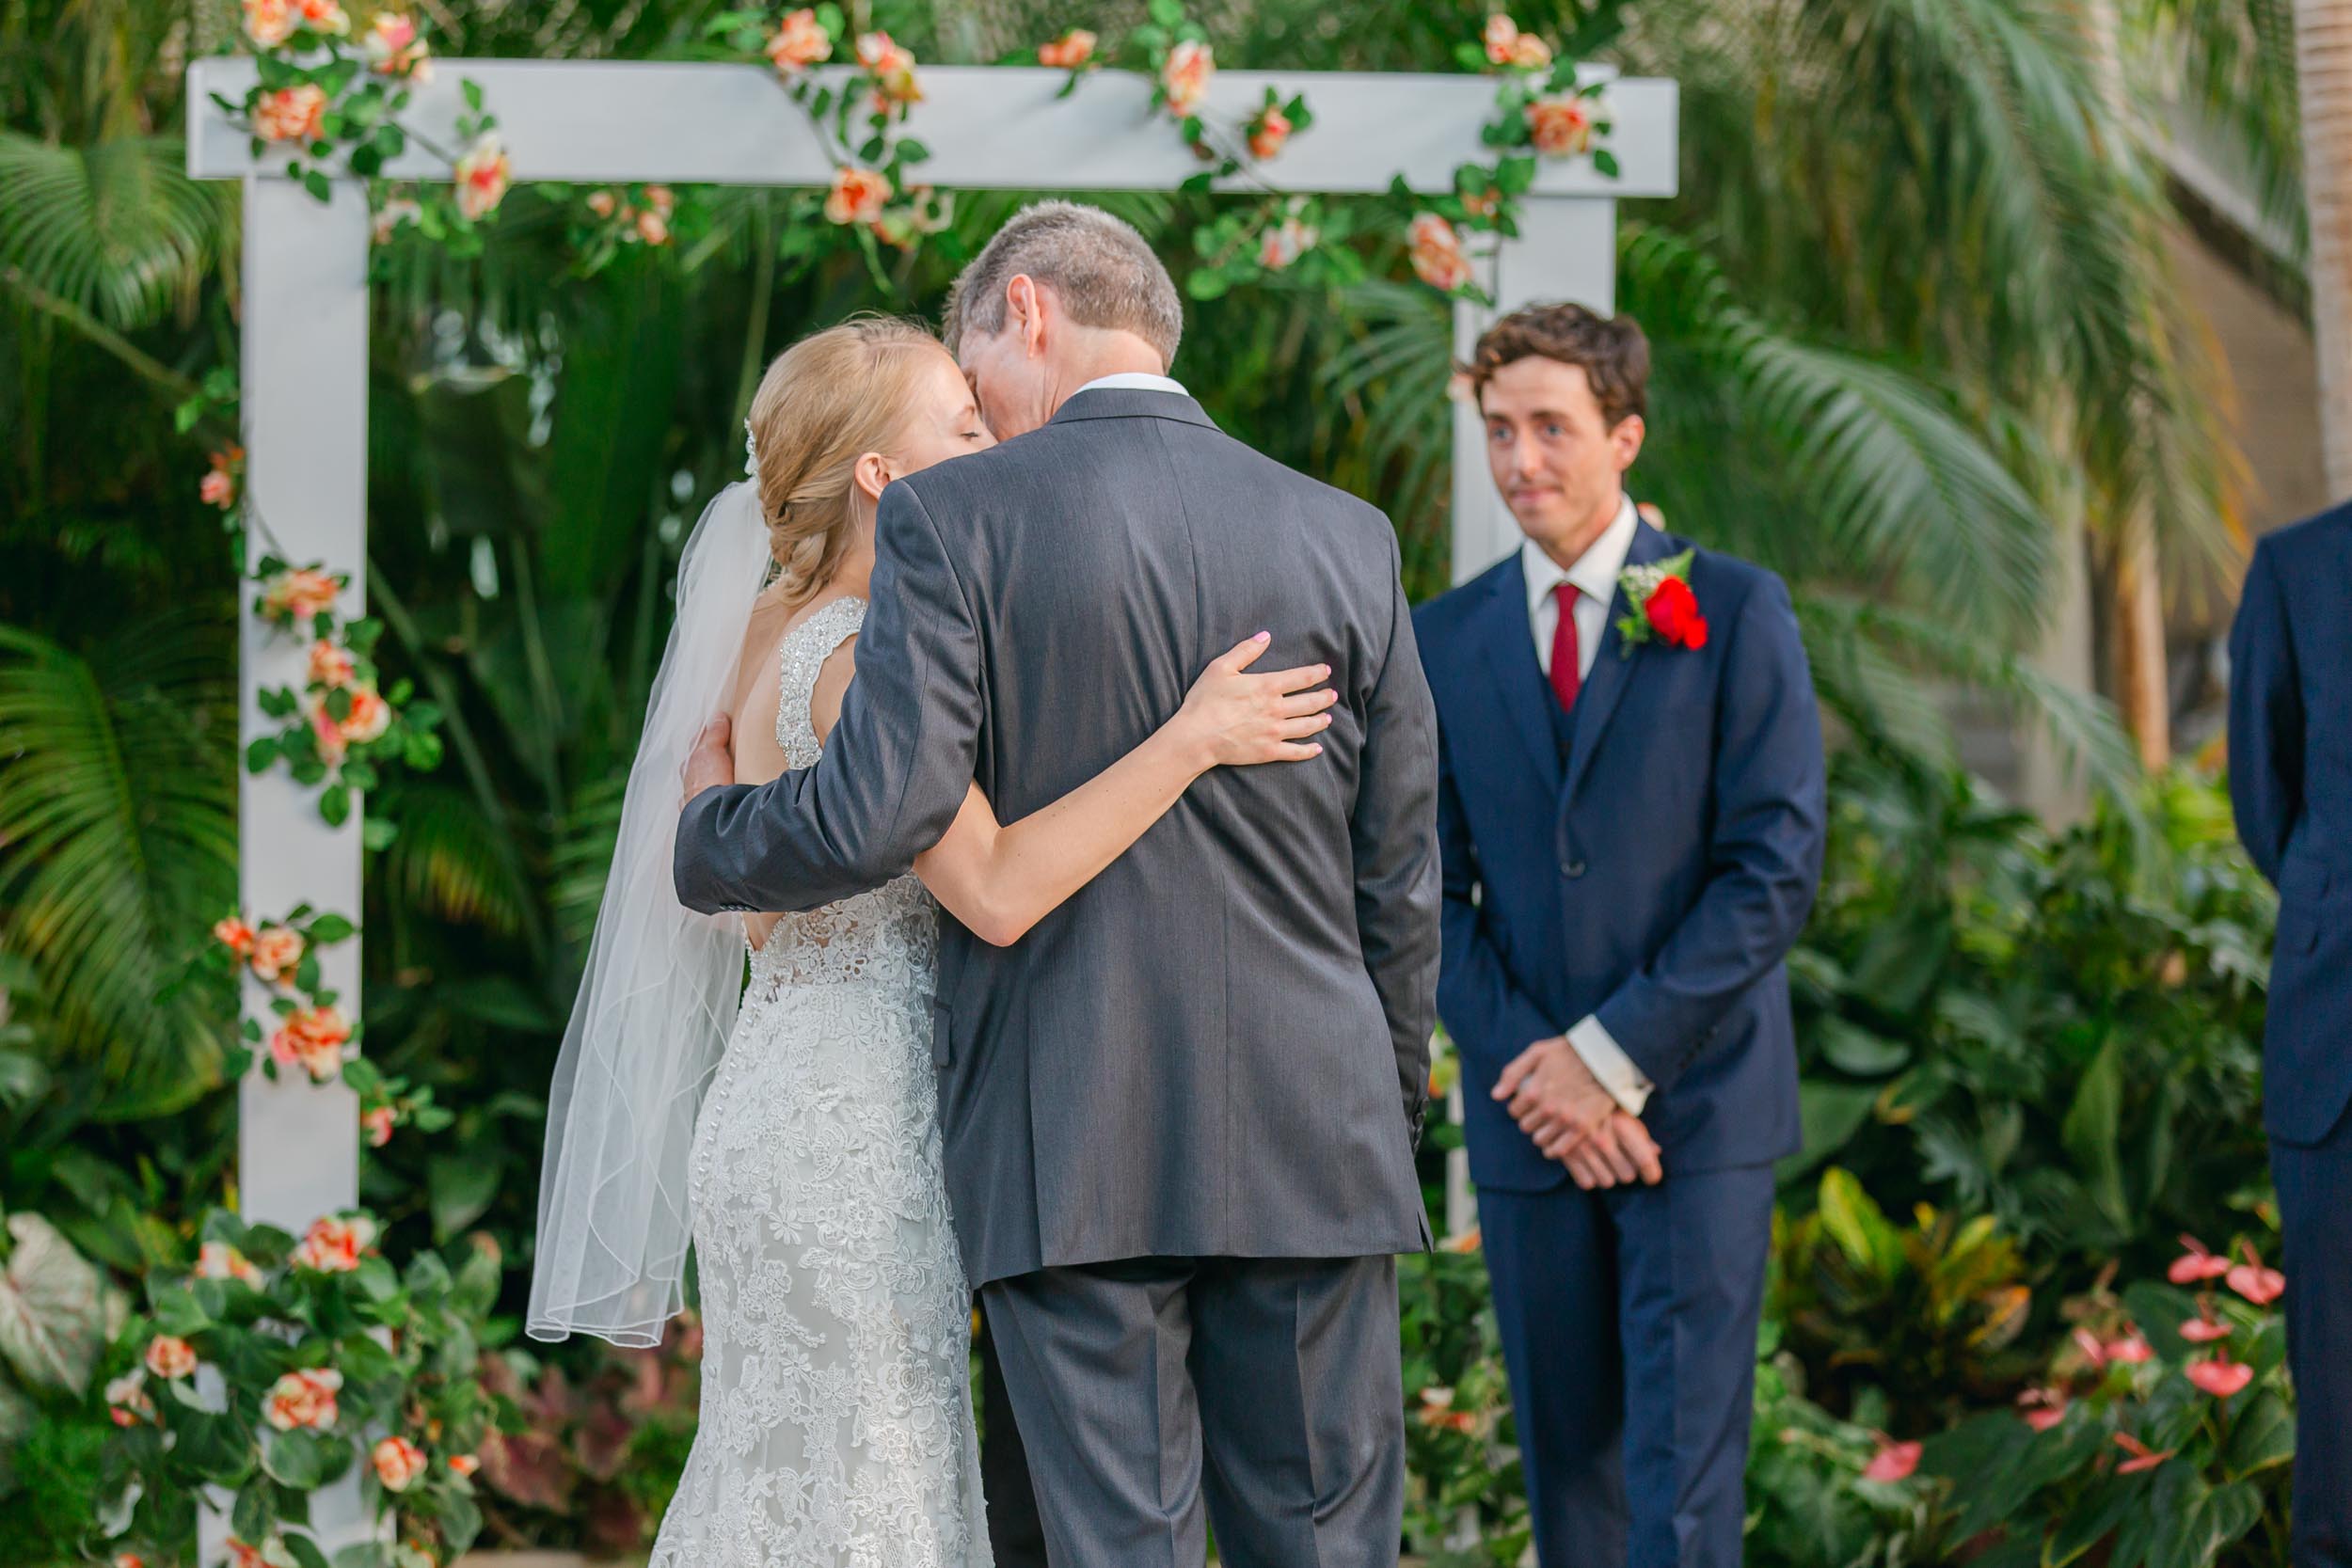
(1665, 608)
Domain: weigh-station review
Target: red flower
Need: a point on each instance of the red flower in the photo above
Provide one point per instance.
(2196, 1265)
(1893, 1462)
(2042, 1408)
(2143, 1457)
(2220, 1376)
(2257, 1284)
(1674, 614)
(2203, 1329)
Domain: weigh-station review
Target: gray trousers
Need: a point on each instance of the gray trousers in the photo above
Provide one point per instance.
(1160, 1394)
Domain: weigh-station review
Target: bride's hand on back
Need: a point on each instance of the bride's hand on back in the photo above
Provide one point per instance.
(1233, 717)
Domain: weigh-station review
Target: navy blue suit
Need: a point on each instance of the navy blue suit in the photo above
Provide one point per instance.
(1648, 858)
(2290, 781)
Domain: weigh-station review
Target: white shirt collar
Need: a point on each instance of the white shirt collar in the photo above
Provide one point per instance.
(1142, 381)
(1595, 571)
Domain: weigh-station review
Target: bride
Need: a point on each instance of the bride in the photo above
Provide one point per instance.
(794, 1127)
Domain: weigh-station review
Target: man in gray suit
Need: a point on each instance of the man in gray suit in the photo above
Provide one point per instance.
(1180, 1115)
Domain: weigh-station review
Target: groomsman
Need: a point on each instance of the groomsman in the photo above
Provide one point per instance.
(2290, 781)
(1631, 803)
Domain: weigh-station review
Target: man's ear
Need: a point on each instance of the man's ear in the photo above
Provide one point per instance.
(1627, 439)
(1026, 304)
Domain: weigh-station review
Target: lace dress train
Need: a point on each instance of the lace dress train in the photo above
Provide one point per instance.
(836, 1413)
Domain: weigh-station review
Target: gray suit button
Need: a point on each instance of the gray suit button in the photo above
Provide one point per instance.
(1572, 868)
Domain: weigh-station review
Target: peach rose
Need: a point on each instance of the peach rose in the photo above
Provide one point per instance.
(233, 934)
(126, 1398)
(392, 214)
(652, 227)
(1068, 51)
(312, 1039)
(330, 665)
(324, 16)
(378, 1125)
(298, 594)
(1285, 243)
(244, 1556)
(483, 173)
(1530, 52)
(1559, 127)
(170, 1357)
(1268, 132)
(892, 66)
(1501, 36)
(603, 203)
(334, 1245)
(297, 114)
(268, 22)
(801, 41)
(1437, 251)
(304, 1399)
(463, 1464)
(325, 735)
(398, 1463)
(1185, 75)
(858, 196)
(395, 48)
(127, 1559)
(370, 716)
(276, 950)
(219, 487)
(220, 1260)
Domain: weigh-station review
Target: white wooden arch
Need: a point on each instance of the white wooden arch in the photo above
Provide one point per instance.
(305, 348)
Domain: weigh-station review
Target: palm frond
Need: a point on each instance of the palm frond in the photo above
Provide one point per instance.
(1894, 478)
(118, 842)
(445, 862)
(116, 228)
(2089, 740)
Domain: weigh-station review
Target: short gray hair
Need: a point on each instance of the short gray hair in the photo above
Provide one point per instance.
(1103, 273)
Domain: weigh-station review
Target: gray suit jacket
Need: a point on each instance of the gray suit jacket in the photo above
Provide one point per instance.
(1220, 1046)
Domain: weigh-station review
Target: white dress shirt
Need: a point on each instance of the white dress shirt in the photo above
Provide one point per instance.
(1594, 574)
(1141, 381)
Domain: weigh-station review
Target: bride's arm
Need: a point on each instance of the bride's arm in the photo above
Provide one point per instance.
(1000, 879)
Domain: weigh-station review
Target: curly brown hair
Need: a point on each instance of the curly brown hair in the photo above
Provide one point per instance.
(1611, 350)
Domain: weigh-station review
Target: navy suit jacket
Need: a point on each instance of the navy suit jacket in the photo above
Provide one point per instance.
(2290, 781)
(1656, 875)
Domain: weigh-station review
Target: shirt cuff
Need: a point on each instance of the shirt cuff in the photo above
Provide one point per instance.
(1607, 1061)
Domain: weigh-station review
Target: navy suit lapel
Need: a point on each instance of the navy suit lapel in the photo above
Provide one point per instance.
(1511, 657)
(1613, 667)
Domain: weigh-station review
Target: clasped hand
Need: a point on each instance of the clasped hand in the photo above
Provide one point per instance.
(1557, 1101)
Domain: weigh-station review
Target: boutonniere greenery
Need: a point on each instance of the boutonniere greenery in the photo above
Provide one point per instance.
(1666, 610)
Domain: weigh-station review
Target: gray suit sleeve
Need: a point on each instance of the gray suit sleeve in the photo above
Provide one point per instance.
(1393, 833)
(895, 768)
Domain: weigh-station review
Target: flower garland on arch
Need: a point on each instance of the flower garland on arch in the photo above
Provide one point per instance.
(329, 95)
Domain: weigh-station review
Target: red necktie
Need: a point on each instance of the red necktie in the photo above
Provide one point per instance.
(1565, 681)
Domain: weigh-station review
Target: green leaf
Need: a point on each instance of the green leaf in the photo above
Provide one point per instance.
(1832, 1114)
(2262, 1437)
(52, 1311)
(461, 1188)
(1854, 1050)
(2091, 1132)
(295, 1459)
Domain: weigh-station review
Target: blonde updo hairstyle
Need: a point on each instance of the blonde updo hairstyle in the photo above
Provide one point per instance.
(827, 401)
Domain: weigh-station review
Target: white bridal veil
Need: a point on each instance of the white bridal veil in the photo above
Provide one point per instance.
(659, 994)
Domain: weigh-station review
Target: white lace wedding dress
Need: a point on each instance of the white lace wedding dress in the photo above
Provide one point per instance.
(836, 1406)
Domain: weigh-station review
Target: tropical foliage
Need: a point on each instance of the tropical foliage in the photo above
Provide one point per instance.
(1911, 321)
